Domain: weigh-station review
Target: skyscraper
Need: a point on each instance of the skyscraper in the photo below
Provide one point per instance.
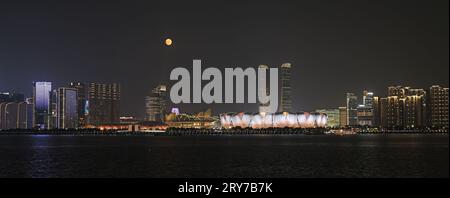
(155, 103)
(376, 111)
(11, 117)
(438, 110)
(66, 108)
(104, 103)
(30, 115)
(22, 115)
(41, 98)
(352, 111)
(404, 107)
(2, 115)
(365, 115)
(81, 98)
(285, 83)
(263, 107)
(367, 99)
(365, 110)
(343, 116)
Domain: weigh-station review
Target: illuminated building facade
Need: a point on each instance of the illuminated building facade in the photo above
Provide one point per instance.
(438, 106)
(365, 115)
(285, 84)
(66, 108)
(343, 116)
(13, 115)
(156, 104)
(201, 120)
(276, 120)
(104, 103)
(352, 111)
(81, 100)
(42, 104)
(403, 107)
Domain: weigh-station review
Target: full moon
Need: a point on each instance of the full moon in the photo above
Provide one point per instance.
(168, 42)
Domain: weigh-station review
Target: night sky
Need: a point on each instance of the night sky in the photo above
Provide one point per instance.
(334, 47)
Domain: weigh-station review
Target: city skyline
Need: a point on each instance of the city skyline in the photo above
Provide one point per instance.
(371, 43)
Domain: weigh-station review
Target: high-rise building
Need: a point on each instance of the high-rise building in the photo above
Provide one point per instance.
(81, 98)
(352, 111)
(376, 106)
(404, 107)
(398, 91)
(367, 99)
(365, 115)
(343, 116)
(263, 107)
(104, 103)
(414, 111)
(66, 108)
(333, 116)
(394, 116)
(155, 103)
(438, 110)
(22, 115)
(53, 109)
(30, 114)
(42, 108)
(13, 115)
(2, 115)
(285, 83)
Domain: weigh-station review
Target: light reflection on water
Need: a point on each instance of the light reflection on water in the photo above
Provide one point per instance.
(224, 156)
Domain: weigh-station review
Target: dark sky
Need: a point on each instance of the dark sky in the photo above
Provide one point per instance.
(334, 46)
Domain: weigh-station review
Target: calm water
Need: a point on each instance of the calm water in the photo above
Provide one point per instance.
(225, 156)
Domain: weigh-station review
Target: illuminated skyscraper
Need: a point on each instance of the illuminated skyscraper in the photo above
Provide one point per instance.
(343, 116)
(285, 83)
(66, 108)
(404, 107)
(11, 117)
(41, 98)
(104, 103)
(81, 98)
(22, 117)
(352, 112)
(155, 104)
(438, 110)
(263, 107)
(2, 115)
(367, 99)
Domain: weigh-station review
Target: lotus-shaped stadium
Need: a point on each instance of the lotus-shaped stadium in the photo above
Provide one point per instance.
(276, 120)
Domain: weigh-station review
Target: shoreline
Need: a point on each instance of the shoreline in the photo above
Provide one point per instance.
(202, 133)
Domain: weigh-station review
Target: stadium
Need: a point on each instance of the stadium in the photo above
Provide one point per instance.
(276, 120)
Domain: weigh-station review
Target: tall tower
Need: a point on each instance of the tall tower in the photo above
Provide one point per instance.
(155, 104)
(104, 103)
(81, 100)
(285, 82)
(368, 99)
(66, 108)
(352, 111)
(42, 108)
(438, 106)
